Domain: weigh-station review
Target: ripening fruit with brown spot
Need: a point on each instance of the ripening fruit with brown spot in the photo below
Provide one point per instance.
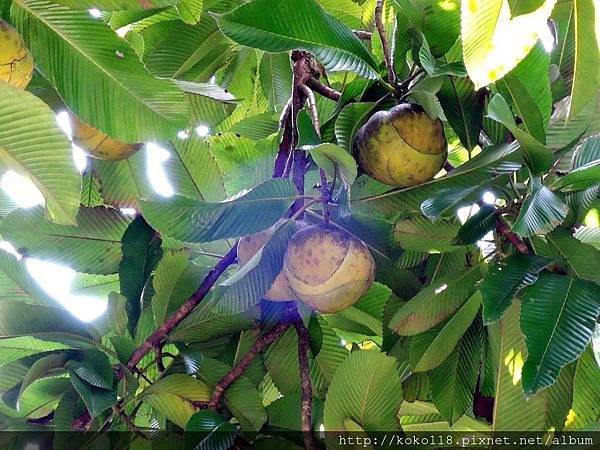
(328, 269)
(401, 147)
(97, 144)
(248, 246)
(16, 62)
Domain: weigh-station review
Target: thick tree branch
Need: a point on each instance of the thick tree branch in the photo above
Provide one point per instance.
(160, 334)
(384, 42)
(305, 381)
(261, 343)
(511, 237)
(325, 91)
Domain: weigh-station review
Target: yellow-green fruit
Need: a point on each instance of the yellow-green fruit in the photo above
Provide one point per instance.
(328, 269)
(98, 145)
(16, 63)
(401, 147)
(247, 247)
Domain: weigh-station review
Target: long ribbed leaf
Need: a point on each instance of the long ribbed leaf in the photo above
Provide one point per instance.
(435, 303)
(298, 24)
(32, 144)
(86, 61)
(504, 281)
(365, 389)
(542, 211)
(117, 5)
(493, 42)
(189, 220)
(570, 308)
(93, 246)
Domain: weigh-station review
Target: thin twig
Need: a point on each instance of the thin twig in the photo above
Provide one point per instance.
(384, 42)
(160, 334)
(261, 343)
(325, 91)
(305, 381)
(312, 107)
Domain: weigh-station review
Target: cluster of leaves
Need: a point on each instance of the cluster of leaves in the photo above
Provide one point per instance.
(449, 326)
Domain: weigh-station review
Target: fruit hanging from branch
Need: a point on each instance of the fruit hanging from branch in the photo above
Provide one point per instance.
(16, 63)
(247, 247)
(401, 147)
(98, 145)
(328, 269)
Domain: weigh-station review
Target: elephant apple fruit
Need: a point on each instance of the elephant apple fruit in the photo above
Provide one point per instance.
(401, 147)
(248, 246)
(328, 269)
(16, 62)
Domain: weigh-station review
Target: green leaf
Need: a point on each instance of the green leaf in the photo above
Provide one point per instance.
(116, 313)
(93, 246)
(539, 157)
(281, 361)
(462, 104)
(570, 308)
(493, 42)
(586, 389)
(366, 389)
(203, 326)
(94, 368)
(417, 233)
(542, 211)
(504, 280)
(16, 320)
(520, 7)
(41, 368)
(485, 166)
(589, 236)
(435, 68)
(117, 5)
(286, 412)
(175, 280)
(580, 260)
(430, 349)
(349, 120)
(586, 77)
(32, 144)
(477, 226)
(174, 396)
(435, 303)
(190, 10)
(276, 79)
(190, 220)
(85, 60)
(334, 159)
(581, 178)
(96, 400)
(141, 252)
(208, 430)
(247, 286)
(453, 382)
(512, 410)
(528, 87)
(304, 26)
(16, 348)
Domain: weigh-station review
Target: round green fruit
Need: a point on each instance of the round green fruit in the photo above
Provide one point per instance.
(328, 269)
(98, 145)
(248, 246)
(401, 147)
(16, 62)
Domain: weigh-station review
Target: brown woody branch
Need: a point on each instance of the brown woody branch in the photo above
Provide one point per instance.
(157, 338)
(384, 42)
(364, 35)
(305, 381)
(261, 343)
(503, 229)
(325, 91)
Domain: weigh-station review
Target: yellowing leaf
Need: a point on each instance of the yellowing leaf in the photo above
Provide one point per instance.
(493, 42)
